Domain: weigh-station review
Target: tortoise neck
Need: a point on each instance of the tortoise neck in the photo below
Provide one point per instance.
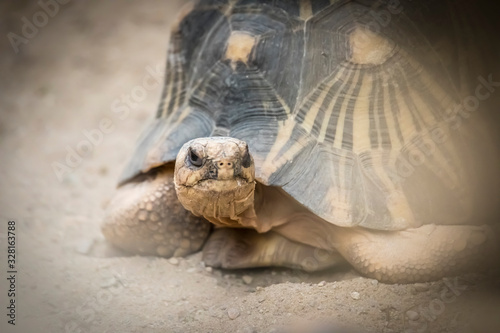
(219, 201)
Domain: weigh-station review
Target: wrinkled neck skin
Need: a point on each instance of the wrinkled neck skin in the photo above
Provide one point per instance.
(225, 203)
(236, 204)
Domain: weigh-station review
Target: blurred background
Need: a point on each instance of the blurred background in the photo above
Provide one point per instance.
(73, 101)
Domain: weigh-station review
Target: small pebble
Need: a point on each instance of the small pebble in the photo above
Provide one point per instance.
(191, 270)
(313, 303)
(233, 313)
(412, 315)
(103, 170)
(173, 261)
(355, 295)
(209, 269)
(375, 282)
(247, 279)
(322, 284)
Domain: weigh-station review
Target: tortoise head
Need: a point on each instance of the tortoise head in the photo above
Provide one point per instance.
(215, 177)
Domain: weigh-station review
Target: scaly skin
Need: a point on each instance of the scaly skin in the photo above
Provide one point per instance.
(146, 218)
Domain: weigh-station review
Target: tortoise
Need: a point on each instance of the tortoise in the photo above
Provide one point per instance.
(309, 134)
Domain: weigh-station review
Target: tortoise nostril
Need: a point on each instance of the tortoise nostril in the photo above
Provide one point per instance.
(221, 164)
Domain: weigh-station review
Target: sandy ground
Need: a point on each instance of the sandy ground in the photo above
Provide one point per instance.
(58, 89)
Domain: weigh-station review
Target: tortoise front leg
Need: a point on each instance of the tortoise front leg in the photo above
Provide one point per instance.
(145, 217)
(246, 248)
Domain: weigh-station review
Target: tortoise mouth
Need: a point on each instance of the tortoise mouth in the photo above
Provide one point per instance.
(217, 198)
(220, 185)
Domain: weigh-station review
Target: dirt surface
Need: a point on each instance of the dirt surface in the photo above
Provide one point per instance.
(58, 97)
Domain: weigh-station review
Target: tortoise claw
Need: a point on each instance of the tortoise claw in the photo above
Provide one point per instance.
(226, 248)
(246, 248)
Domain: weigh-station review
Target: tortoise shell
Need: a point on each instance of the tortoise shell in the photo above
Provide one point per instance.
(352, 108)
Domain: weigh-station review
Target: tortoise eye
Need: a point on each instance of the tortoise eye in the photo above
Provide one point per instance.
(246, 161)
(194, 159)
